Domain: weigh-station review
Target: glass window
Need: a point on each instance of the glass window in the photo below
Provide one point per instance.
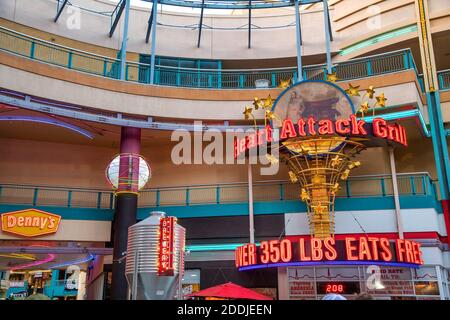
(426, 288)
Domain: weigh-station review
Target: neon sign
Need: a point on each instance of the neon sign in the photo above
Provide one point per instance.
(308, 127)
(166, 246)
(316, 251)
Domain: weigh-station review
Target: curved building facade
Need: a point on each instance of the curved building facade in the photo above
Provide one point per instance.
(110, 110)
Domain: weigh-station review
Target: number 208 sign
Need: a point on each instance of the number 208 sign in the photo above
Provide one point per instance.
(313, 251)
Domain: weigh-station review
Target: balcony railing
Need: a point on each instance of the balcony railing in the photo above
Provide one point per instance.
(444, 79)
(48, 52)
(359, 186)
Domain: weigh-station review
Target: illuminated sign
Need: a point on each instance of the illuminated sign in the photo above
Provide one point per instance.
(166, 246)
(379, 128)
(314, 251)
(30, 222)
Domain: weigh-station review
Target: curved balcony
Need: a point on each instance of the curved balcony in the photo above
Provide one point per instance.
(43, 51)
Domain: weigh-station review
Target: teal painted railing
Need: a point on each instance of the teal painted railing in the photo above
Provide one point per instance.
(358, 186)
(48, 52)
(59, 288)
(444, 79)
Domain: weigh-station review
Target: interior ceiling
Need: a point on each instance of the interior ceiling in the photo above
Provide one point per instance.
(104, 135)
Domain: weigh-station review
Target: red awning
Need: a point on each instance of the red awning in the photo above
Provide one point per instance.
(230, 291)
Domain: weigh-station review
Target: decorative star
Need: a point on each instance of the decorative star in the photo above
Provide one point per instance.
(269, 115)
(292, 177)
(268, 102)
(336, 161)
(381, 100)
(304, 195)
(345, 174)
(285, 83)
(370, 92)
(332, 77)
(354, 164)
(364, 108)
(335, 188)
(256, 103)
(247, 112)
(352, 91)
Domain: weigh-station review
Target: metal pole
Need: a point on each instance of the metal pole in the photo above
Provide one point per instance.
(180, 276)
(249, 24)
(250, 205)
(152, 57)
(135, 275)
(327, 34)
(298, 33)
(123, 51)
(396, 195)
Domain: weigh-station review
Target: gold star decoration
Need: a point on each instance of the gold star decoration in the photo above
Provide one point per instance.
(292, 177)
(285, 83)
(257, 103)
(268, 102)
(364, 108)
(247, 112)
(335, 188)
(304, 195)
(271, 158)
(354, 164)
(370, 92)
(335, 161)
(269, 115)
(319, 209)
(381, 100)
(332, 77)
(352, 91)
(345, 174)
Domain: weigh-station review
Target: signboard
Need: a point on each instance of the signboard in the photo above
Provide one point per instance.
(30, 222)
(378, 129)
(314, 251)
(166, 246)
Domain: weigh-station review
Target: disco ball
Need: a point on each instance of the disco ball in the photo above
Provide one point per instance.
(128, 172)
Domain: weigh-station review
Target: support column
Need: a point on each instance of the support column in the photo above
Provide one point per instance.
(327, 34)
(123, 50)
(125, 212)
(398, 213)
(153, 52)
(250, 205)
(298, 33)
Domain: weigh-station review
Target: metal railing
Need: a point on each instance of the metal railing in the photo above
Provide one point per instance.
(48, 52)
(444, 79)
(276, 190)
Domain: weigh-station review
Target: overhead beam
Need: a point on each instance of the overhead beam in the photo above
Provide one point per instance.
(329, 24)
(60, 10)
(327, 28)
(149, 27)
(117, 18)
(200, 25)
(123, 50)
(298, 33)
(153, 50)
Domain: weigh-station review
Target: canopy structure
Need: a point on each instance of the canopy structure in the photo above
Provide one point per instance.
(229, 291)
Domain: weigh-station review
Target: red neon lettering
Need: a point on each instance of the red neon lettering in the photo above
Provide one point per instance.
(274, 251)
(350, 248)
(379, 128)
(326, 127)
(374, 243)
(316, 249)
(303, 256)
(286, 250)
(301, 127)
(386, 253)
(357, 126)
(264, 252)
(340, 126)
(311, 123)
(269, 133)
(331, 253)
(364, 251)
(288, 130)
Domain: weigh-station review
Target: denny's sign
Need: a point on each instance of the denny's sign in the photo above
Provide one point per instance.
(30, 222)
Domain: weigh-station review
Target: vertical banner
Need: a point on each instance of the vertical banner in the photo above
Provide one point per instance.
(166, 246)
